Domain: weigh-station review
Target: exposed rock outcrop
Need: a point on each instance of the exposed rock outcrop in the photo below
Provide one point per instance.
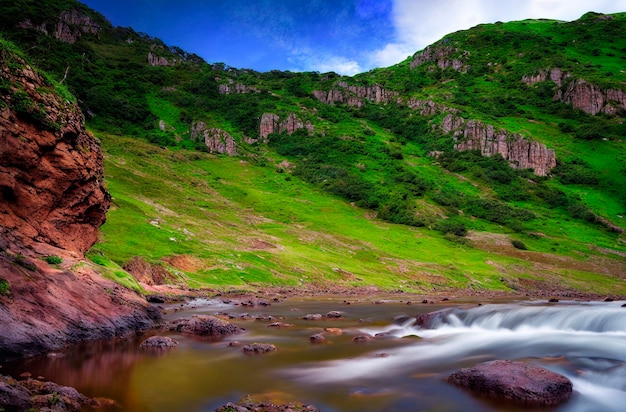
(555, 75)
(51, 308)
(581, 94)
(270, 123)
(217, 140)
(442, 56)
(72, 24)
(516, 382)
(354, 96)
(426, 108)
(51, 173)
(156, 60)
(592, 99)
(52, 202)
(237, 88)
(519, 151)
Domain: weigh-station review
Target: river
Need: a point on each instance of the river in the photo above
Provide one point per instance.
(400, 370)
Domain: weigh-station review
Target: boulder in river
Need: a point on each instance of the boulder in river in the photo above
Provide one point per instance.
(334, 314)
(158, 342)
(205, 326)
(259, 348)
(517, 382)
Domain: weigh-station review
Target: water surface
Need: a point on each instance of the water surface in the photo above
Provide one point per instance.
(400, 370)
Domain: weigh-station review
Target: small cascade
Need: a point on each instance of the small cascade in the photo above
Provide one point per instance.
(583, 341)
(578, 318)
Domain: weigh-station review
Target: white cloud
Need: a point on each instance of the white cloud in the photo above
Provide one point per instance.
(308, 60)
(419, 23)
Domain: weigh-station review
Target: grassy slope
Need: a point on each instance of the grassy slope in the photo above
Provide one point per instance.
(250, 226)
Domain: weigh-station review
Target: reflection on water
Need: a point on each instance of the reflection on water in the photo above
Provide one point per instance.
(394, 372)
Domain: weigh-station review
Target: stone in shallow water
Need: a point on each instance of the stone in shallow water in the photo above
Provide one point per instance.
(258, 348)
(517, 382)
(158, 342)
(206, 326)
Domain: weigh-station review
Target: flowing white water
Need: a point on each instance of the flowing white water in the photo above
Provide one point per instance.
(585, 342)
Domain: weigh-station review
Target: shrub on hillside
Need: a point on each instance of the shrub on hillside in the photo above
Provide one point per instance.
(450, 226)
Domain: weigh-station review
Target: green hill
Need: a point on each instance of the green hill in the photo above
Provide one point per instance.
(493, 159)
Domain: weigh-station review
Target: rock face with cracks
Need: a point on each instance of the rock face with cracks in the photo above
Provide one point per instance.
(52, 202)
(51, 173)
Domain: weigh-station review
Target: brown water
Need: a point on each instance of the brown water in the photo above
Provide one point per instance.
(397, 372)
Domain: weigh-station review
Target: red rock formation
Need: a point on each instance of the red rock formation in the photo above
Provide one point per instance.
(270, 123)
(52, 201)
(51, 174)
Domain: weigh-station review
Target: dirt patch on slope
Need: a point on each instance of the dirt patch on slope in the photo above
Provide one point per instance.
(186, 263)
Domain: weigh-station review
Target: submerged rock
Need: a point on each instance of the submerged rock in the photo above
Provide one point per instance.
(517, 382)
(361, 339)
(317, 338)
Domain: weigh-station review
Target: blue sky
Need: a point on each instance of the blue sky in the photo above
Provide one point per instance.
(345, 36)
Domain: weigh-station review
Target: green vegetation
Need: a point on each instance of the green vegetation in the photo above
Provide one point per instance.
(5, 288)
(53, 260)
(375, 194)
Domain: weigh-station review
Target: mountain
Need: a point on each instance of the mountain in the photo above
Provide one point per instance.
(492, 159)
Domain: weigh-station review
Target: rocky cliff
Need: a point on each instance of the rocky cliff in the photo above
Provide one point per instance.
(71, 25)
(443, 56)
(520, 152)
(581, 94)
(270, 123)
(354, 96)
(52, 202)
(51, 175)
(217, 140)
(237, 88)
